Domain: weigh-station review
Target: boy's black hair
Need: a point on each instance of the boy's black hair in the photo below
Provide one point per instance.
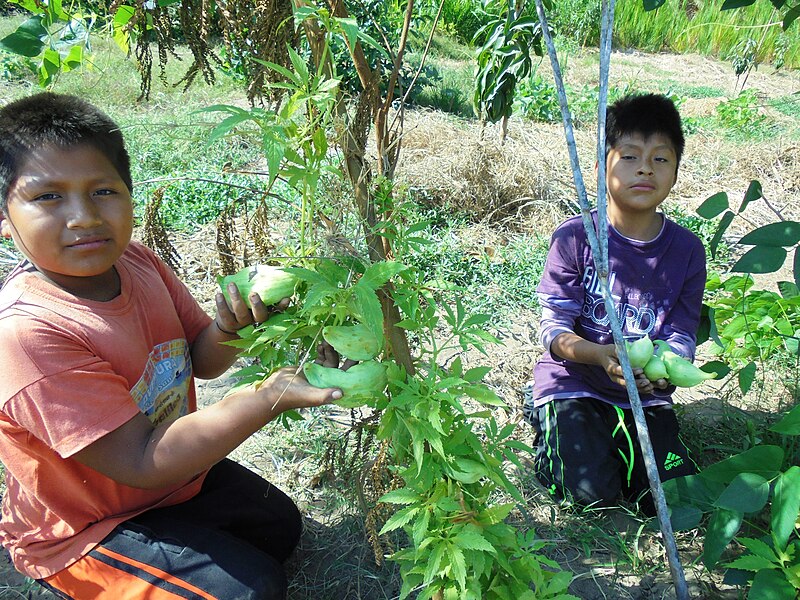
(646, 114)
(60, 120)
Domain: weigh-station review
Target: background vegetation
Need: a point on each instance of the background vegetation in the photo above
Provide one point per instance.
(486, 210)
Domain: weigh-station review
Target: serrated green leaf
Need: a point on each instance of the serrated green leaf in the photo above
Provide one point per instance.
(484, 395)
(472, 539)
(401, 496)
(399, 519)
(750, 562)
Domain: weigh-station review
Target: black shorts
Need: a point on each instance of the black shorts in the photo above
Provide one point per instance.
(226, 543)
(588, 451)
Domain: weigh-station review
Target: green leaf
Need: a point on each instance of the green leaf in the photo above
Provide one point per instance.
(274, 149)
(471, 539)
(685, 518)
(783, 233)
(51, 65)
(754, 189)
(724, 223)
(652, 4)
(484, 395)
(746, 377)
(401, 496)
(769, 584)
(747, 493)
(764, 460)
(785, 506)
(121, 34)
(761, 259)
(370, 41)
(714, 205)
(716, 366)
(750, 562)
(27, 40)
(789, 423)
(723, 525)
(692, 490)
(399, 519)
(74, 58)
(349, 28)
(788, 290)
(758, 547)
(458, 565)
(790, 16)
(377, 274)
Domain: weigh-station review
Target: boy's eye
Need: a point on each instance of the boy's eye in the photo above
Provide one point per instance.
(105, 192)
(46, 197)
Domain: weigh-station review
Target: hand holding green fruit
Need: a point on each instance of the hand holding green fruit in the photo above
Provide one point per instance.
(245, 296)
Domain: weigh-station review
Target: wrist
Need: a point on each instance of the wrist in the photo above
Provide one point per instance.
(225, 331)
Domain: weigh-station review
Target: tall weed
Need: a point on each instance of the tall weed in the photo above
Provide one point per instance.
(702, 27)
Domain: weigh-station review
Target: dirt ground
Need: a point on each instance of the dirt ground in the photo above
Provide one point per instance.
(523, 184)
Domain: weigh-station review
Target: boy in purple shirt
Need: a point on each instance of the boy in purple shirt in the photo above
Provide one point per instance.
(587, 446)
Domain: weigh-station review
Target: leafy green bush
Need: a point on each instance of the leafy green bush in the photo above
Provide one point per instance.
(741, 117)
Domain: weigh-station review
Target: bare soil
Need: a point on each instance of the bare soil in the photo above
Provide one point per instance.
(521, 184)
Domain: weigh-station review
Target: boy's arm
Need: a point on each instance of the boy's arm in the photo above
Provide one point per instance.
(573, 347)
(137, 454)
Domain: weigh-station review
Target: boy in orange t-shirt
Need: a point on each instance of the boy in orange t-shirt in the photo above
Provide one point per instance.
(117, 487)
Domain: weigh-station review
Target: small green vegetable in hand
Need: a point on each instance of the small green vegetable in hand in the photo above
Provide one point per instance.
(272, 284)
(681, 372)
(359, 383)
(655, 369)
(639, 352)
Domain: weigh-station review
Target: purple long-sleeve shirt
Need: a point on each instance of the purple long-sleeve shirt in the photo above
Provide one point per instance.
(657, 288)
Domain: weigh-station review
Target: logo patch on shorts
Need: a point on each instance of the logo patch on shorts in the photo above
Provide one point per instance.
(673, 460)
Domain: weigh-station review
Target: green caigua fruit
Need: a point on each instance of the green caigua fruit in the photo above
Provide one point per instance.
(655, 369)
(639, 351)
(681, 372)
(359, 383)
(272, 284)
(356, 342)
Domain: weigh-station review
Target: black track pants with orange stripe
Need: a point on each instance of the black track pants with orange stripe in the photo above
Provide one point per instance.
(226, 543)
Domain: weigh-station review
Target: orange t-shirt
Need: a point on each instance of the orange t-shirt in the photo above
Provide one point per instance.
(74, 370)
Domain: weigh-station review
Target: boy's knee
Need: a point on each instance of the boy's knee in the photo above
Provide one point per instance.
(582, 485)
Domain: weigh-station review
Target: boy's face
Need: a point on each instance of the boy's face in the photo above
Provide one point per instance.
(71, 215)
(640, 172)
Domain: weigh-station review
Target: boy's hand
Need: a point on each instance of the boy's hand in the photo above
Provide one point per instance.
(231, 318)
(613, 368)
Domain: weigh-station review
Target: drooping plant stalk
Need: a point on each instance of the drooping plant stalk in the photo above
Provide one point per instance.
(598, 241)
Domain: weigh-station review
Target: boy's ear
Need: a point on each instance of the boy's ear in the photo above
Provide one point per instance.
(5, 226)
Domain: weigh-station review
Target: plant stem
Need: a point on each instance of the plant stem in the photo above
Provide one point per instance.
(598, 241)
